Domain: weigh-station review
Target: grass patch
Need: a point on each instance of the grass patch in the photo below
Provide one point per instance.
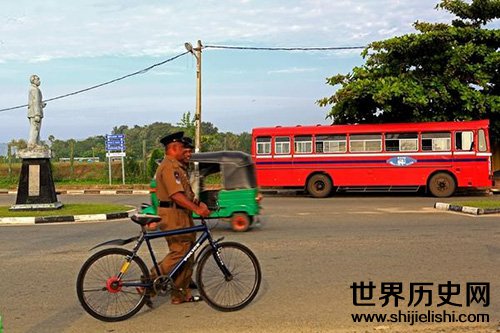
(67, 209)
(485, 204)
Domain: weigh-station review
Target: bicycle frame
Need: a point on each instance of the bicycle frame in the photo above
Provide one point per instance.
(148, 236)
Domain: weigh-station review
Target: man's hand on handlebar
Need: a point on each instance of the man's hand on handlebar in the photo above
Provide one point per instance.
(153, 226)
(180, 199)
(202, 210)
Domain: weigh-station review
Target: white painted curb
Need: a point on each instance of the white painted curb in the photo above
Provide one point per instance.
(140, 192)
(441, 206)
(69, 218)
(472, 210)
(464, 209)
(75, 192)
(92, 217)
(17, 220)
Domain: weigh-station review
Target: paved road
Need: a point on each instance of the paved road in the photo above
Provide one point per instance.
(310, 250)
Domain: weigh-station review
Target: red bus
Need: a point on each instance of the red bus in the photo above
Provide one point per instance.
(439, 156)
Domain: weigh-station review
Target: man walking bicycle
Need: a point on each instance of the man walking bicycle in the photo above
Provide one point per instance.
(176, 204)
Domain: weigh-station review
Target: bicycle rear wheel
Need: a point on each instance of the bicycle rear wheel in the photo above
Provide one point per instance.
(100, 292)
(229, 294)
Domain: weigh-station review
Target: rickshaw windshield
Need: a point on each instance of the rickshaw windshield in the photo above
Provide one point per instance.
(238, 177)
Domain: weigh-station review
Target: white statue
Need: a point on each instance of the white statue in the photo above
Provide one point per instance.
(35, 112)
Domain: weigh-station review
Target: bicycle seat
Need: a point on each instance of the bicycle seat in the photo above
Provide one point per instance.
(144, 219)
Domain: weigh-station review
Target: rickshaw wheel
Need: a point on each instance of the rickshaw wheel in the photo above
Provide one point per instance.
(240, 222)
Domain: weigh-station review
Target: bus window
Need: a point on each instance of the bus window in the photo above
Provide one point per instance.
(436, 141)
(263, 145)
(401, 142)
(464, 140)
(365, 142)
(331, 144)
(282, 145)
(303, 144)
(482, 141)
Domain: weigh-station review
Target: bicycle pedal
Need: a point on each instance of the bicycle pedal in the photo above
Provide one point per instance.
(149, 302)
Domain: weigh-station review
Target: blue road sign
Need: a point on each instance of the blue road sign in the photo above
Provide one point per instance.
(115, 142)
(115, 147)
(115, 136)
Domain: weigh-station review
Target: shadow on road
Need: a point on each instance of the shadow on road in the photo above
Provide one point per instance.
(59, 321)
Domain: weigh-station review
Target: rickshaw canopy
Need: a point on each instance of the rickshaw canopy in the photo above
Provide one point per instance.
(236, 167)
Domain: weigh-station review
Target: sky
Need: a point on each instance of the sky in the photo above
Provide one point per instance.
(77, 44)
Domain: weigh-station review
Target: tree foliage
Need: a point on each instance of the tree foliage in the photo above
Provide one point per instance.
(156, 154)
(211, 140)
(443, 72)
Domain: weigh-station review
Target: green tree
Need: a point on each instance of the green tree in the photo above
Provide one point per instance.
(120, 129)
(187, 124)
(132, 169)
(207, 128)
(444, 72)
(17, 145)
(156, 154)
(245, 142)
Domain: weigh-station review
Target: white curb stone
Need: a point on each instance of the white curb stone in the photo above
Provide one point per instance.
(73, 192)
(17, 220)
(441, 206)
(107, 192)
(140, 192)
(471, 210)
(90, 217)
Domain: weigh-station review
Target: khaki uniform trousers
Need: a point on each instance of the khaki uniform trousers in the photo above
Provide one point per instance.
(175, 218)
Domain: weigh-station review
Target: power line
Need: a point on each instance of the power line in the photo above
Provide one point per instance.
(142, 71)
(283, 48)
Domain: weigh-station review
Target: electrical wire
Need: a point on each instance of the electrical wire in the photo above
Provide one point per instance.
(142, 71)
(283, 48)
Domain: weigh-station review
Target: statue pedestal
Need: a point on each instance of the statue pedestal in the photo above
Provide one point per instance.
(36, 190)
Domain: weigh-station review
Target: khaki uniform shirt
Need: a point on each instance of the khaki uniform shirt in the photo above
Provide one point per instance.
(168, 178)
(185, 180)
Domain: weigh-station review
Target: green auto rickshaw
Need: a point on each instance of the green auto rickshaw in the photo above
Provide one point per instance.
(227, 184)
(235, 195)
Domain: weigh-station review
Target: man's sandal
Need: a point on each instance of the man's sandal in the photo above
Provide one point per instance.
(192, 299)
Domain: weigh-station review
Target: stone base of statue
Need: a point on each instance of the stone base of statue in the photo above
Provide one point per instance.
(36, 190)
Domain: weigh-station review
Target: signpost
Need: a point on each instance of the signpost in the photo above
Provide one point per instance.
(115, 147)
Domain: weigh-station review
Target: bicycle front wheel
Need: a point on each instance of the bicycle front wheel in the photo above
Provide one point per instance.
(238, 291)
(102, 294)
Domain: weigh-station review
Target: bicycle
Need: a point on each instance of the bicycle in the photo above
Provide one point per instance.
(114, 283)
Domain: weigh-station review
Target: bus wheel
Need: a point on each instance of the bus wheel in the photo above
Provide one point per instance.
(442, 185)
(240, 222)
(319, 186)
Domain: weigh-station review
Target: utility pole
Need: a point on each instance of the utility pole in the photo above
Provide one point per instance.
(196, 52)
(9, 155)
(144, 165)
(71, 157)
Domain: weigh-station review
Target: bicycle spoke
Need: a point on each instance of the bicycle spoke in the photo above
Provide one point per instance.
(96, 289)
